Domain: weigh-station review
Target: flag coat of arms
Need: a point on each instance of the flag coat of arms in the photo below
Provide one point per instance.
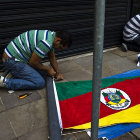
(120, 101)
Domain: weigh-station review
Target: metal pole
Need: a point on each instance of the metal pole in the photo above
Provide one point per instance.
(97, 65)
(54, 127)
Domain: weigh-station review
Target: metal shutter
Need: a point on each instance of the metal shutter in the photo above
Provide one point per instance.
(76, 16)
(135, 7)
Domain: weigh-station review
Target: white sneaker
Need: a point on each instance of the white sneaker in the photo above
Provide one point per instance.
(138, 64)
(2, 79)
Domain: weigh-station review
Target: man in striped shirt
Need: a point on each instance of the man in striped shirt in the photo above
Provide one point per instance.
(131, 35)
(23, 55)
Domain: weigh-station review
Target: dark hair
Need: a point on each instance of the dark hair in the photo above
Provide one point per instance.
(65, 36)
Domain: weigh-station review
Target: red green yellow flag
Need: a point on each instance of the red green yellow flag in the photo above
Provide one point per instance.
(120, 101)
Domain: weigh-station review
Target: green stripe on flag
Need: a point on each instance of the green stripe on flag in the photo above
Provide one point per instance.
(72, 89)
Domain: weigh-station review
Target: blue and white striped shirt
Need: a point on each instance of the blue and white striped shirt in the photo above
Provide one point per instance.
(132, 28)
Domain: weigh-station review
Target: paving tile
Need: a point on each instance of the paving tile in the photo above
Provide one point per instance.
(126, 136)
(2, 106)
(14, 139)
(133, 58)
(84, 61)
(6, 131)
(67, 66)
(113, 64)
(137, 132)
(69, 137)
(105, 73)
(119, 52)
(82, 136)
(75, 135)
(11, 100)
(37, 134)
(68, 134)
(42, 92)
(89, 69)
(77, 75)
(27, 117)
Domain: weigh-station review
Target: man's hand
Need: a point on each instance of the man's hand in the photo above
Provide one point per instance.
(35, 62)
(54, 65)
(51, 72)
(59, 77)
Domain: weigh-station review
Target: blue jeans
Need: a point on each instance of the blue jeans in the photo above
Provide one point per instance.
(24, 76)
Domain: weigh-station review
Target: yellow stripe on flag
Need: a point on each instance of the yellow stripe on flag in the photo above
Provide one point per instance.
(131, 115)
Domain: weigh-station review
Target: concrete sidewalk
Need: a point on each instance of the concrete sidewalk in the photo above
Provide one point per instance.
(27, 119)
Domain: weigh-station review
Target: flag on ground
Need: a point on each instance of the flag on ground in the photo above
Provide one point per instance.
(120, 101)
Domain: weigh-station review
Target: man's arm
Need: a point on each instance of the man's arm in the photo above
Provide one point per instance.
(35, 62)
(54, 64)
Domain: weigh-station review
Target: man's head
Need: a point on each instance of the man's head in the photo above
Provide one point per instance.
(62, 40)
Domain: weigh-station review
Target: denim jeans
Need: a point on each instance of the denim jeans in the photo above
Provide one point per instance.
(24, 76)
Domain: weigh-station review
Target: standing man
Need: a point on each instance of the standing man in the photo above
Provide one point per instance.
(22, 57)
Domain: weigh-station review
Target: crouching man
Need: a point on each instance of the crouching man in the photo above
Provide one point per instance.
(23, 56)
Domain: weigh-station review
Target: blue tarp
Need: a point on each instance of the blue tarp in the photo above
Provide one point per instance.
(135, 72)
(114, 131)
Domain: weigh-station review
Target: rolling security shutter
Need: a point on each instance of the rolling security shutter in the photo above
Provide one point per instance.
(135, 7)
(75, 16)
(116, 16)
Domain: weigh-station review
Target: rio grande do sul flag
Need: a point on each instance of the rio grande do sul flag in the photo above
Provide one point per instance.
(120, 101)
